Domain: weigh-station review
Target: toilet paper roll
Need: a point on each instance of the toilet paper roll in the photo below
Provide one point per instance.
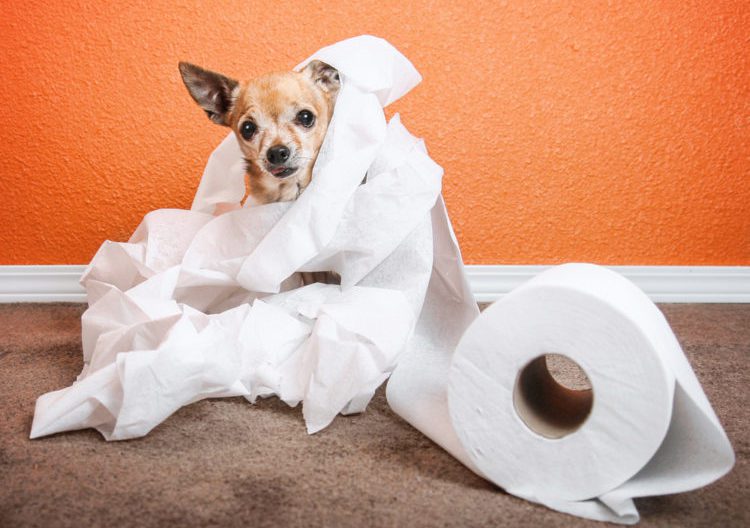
(532, 436)
(644, 428)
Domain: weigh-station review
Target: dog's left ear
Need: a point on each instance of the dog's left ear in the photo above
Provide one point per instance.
(323, 75)
(212, 91)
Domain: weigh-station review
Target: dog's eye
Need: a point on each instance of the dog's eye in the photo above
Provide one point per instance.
(247, 129)
(306, 118)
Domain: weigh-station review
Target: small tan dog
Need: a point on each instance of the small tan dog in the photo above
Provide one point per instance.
(280, 120)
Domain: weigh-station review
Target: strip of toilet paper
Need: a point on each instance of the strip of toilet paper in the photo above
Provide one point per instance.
(644, 428)
(196, 306)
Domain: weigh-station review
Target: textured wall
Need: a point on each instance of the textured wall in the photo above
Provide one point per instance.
(568, 130)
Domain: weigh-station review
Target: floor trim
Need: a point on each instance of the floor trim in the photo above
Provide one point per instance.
(671, 284)
(668, 284)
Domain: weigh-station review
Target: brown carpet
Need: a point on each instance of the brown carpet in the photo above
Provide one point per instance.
(229, 463)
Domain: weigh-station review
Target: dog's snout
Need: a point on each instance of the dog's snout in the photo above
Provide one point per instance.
(278, 154)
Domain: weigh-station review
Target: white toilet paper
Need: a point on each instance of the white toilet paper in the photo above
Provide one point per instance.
(644, 428)
(196, 306)
(200, 306)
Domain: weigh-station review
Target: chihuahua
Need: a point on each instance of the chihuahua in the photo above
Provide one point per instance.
(280, 120)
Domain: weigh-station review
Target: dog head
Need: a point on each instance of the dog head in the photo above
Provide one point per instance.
(280, 120)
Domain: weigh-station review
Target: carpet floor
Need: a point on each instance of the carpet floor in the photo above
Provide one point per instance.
(228, 463)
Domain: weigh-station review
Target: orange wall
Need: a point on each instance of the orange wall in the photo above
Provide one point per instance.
(568, 130)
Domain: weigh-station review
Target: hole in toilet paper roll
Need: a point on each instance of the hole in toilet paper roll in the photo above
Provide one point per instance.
(566, 372)
(553, 395)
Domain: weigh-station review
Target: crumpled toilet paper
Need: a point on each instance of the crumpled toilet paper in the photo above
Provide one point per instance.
(195, 306)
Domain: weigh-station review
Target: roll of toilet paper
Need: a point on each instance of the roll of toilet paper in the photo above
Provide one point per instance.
(479, 386)
(566, 444)
(538, 439)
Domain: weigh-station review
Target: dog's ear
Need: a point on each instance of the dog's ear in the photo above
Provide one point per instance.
(323, 75)
(212, 91)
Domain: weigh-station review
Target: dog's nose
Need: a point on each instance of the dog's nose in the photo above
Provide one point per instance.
(278, 154)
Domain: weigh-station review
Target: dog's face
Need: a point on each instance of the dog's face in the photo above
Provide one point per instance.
(280, 120)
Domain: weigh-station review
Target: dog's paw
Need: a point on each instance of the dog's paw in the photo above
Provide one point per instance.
(225, 207)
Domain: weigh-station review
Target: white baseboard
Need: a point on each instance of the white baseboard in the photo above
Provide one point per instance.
(41, 284)
(670, 284)
(667, 284)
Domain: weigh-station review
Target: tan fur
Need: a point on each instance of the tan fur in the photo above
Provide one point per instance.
(272, 102)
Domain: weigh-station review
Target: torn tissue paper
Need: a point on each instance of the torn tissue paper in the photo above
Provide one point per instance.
(195, 306)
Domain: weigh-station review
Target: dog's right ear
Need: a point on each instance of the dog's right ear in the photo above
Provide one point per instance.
(213, 92)
(323, 75)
